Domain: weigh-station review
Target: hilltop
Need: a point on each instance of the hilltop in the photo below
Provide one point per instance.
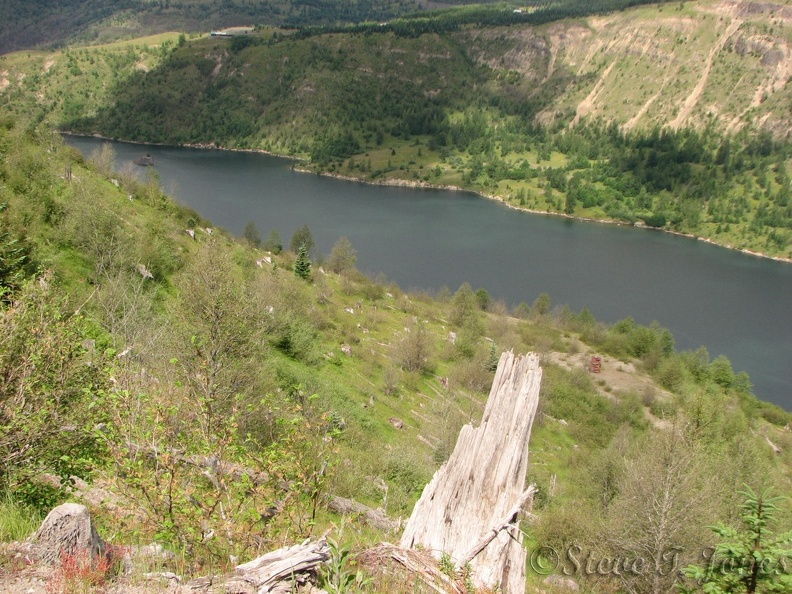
(26, 24)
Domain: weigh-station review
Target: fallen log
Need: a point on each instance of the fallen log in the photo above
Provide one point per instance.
(371, 517)
(281, 570)
(478, 494)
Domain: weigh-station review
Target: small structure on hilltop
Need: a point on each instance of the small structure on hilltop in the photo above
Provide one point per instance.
(232, 31)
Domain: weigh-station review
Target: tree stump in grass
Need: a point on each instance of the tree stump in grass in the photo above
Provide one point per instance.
(469, 511)
(67, 531)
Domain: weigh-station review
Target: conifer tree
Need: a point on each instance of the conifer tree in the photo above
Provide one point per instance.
(748, 561)
(302, 266)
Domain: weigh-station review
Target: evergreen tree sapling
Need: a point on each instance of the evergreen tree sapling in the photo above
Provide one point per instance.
(302, 266)
(747, 561)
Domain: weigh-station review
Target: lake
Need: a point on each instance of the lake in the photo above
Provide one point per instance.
(734, 304)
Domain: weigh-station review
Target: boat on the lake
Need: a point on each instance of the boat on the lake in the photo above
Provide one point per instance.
(145, 161)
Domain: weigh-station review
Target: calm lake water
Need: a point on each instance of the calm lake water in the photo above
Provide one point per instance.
(732, 303)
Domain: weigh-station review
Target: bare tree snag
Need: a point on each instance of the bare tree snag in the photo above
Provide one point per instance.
(470, 508)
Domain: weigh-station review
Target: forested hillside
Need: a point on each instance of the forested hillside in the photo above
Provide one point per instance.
(133, 351)
(30, 23)
(36, 23)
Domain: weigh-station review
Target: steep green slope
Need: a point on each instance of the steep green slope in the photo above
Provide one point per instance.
(144, 353)
(497, 110)
(27, 24)
(182, 349)
(45, 23)
(148, 360)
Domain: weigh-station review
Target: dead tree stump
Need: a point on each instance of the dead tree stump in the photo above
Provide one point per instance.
(470, 508)
(67, 530)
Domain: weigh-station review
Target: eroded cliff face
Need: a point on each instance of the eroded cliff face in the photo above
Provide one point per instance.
(690, 64)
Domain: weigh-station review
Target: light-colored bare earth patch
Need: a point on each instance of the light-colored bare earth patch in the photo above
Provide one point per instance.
(633, 121)
(616, 377)
(587, 105)
(778, 61)
(567, 41)
(528, 49)
(600, 22)
(695, 94)
(596, 46)
(780, 12)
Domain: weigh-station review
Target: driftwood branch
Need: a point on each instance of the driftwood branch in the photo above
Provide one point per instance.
(481, 488)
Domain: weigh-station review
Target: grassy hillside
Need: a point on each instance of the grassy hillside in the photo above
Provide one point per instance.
(216, 399)
(143, 352)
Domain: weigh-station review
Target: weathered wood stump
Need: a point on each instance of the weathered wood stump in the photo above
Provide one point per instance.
(470, 509)
(67, 531)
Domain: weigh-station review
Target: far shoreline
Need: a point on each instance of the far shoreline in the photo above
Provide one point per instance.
(428, 186)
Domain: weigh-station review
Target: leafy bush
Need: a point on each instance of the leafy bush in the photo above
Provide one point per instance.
(47, 397)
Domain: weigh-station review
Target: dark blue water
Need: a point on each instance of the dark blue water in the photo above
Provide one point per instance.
(732, 303)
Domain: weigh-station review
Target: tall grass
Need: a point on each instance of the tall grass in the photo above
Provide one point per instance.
(17, 522)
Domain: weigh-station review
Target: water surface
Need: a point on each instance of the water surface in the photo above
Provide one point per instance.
(732, 303)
